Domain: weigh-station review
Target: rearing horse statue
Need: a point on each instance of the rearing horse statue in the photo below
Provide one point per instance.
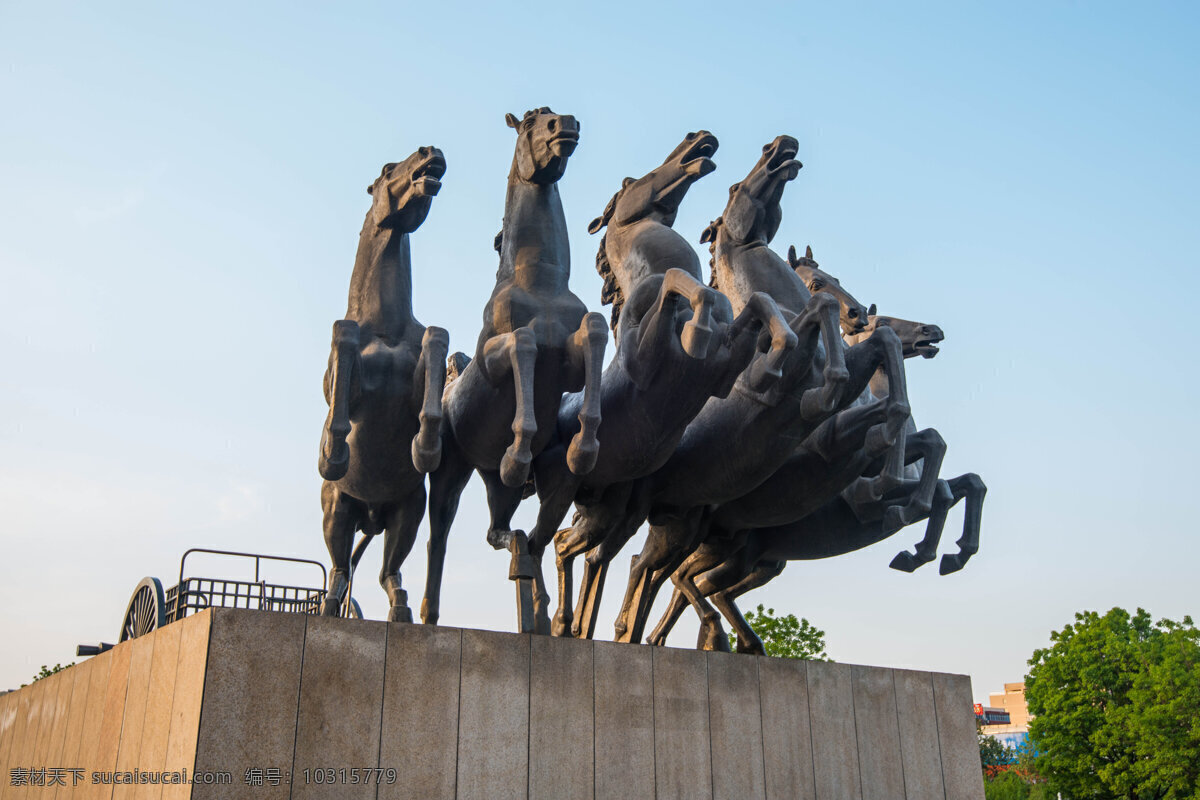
(384, 389)
(678, 344)
(538, 342)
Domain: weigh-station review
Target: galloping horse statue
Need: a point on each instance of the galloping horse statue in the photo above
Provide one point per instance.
(538, 342)
(706, 471)
(678, 344)
(800, 514)
(384, 389)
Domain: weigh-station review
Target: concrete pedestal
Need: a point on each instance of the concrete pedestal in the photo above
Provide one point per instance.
(248, 704)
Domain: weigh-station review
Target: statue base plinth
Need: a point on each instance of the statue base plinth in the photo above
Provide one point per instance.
(271, 705)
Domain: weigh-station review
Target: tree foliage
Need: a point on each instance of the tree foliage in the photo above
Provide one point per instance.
(786, 636)
(993, 754)
(46, 672)
(1115, 702)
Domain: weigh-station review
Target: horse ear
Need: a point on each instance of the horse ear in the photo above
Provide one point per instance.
(499, 240)
(792, 254)
(710, 233)
(604, 218)
(511, 121)
(808, 252)
(595, 225)
(871, 310)
(371, 189)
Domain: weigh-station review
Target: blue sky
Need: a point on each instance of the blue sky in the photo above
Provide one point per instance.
(181, 190)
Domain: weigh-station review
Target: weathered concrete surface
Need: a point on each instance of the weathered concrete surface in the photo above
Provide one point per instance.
(682, 750)
(624, 711)
(341, 697)
(957, 737)
(835, 742)
(420, 710)
(561, 728)
(493, 723)
(787, 740)
(735, 717)
(251, 691)
(919, 746)
(475, 714)
(878, 732)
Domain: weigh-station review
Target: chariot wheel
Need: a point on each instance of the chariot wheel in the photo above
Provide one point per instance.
(354, 611)
(147, 610)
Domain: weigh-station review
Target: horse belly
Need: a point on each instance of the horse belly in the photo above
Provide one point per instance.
(381, 468)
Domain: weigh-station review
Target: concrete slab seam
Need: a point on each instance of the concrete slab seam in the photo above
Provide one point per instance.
(899, 733)
(937, 727)
(299, 694)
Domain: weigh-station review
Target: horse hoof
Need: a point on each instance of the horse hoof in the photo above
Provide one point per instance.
(561, 626)
(905, 562)
(750, 646)
(514, 468)
(429, 613)
(335, 467)
(400, 614)
(951, 563)
(426, 459)
(695, 339)
(713, 637)
(581, 455)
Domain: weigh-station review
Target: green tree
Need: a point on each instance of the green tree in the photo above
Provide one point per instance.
(786, 636)
(1115, 702)
(993, 753)
(46, 672)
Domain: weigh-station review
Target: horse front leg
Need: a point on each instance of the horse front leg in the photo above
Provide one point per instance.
(928, 446)
(748, 641)
(926, 549)
(696, 564)
(972, 487)
(586, 351)
(341, 384)
(429, 381)
(515, 352)
(817, 403)
(697, 331)
(884, 349)
(767, 370)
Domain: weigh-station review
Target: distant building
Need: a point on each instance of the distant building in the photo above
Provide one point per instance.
(1006, 716)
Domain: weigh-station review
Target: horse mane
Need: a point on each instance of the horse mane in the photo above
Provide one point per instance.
(611, 293)
(710, 236)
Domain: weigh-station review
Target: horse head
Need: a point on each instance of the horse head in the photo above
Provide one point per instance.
(853, 315)
(404, 191)
(659, 192)
(917, 338)
(753, 213)
(545, 141)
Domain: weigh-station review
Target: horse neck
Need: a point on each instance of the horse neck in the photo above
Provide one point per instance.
(743, 270)
(645, 249)
(534, 251)
(381, 285)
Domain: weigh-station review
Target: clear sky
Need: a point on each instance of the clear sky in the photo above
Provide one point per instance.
(181, 188)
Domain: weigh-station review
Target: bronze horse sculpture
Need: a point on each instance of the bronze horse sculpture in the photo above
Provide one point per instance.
(824, 521)
(538, 342)
(384, 389)
(704, 472)
(678, 343)
(766, 424)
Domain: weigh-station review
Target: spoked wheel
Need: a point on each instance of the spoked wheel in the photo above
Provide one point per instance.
(355, 611)
(147, 610)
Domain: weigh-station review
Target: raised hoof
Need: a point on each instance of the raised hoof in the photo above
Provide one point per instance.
(695, 339)
(713, 637)
(426, 459)
(905, 561)
(581, 455)
(762, 376)
(952, 563)
(335, 467)
(400, 614)
(751, 646)
(514, 467)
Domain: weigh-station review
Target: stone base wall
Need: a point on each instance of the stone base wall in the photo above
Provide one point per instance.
(312, 707)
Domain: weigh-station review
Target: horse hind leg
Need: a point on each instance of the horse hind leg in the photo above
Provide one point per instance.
(430, 381)
(699, 562)
(403, 519)
(972, 487)
(445, 488)
(586, 350)
(748, 641)
(341, 515)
